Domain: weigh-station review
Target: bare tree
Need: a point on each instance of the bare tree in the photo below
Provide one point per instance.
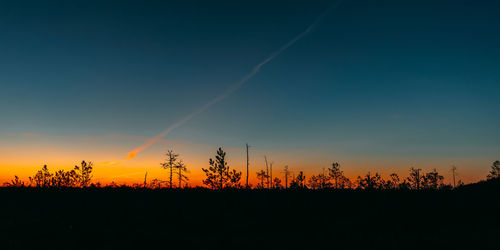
(287, 174)
(169, 164)
(454, 172)
(271, 174)
(247, 167)
(267, 172)
(180, 169)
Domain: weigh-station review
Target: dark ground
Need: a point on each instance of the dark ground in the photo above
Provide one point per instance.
(467, 218)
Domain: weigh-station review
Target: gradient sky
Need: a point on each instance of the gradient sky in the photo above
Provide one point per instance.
(377, 85)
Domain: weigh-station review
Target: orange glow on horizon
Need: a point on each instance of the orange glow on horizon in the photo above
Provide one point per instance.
(135, 174)
(25, 154)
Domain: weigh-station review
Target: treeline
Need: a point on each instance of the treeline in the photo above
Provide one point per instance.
(79, 176)
(219, 176)
(334, 178)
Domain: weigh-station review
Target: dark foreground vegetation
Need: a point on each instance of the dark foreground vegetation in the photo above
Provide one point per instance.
(134, 218)
(66, 210)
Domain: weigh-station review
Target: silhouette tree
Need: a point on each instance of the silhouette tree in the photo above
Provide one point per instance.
(404, 185)
(344, 182)
(287, 174)
(64, 179)
(315, 182)
(180, 169)
(271, 174)
(247, 185)
(16, 182)
(393, 182)
(84, 173)
(301, 179)
(268, 182)
(298, 181)
(415, 179)
(169, 164)
(155, 183)
(218, 175)
(261, 176)
(335, 173)
(234, 179)
(42, 178)
(495, 171)
(294, 184)
(370, 182)
(324, 180)
(454, 172)
(432, 180)
(277, 183)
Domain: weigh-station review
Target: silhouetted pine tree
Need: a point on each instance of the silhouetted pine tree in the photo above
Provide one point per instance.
(432, 180)
(370, 182)
(335, 173)
(218, 175)
(415, 179)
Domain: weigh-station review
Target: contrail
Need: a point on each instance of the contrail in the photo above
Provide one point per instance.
(232, 88)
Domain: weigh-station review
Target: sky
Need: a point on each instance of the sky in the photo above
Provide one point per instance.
(377, 86)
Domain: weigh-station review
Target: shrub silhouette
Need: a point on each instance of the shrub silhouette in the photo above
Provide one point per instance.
(16, 182)
(79, 176)
(370, 182)
(261, 176)
(495, 171)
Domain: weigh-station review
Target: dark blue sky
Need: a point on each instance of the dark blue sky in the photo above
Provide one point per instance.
(415, 79)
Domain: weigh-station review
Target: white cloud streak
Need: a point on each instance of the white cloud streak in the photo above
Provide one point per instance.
(231, 89)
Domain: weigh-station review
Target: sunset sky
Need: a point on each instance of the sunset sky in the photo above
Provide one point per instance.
(377, 86)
